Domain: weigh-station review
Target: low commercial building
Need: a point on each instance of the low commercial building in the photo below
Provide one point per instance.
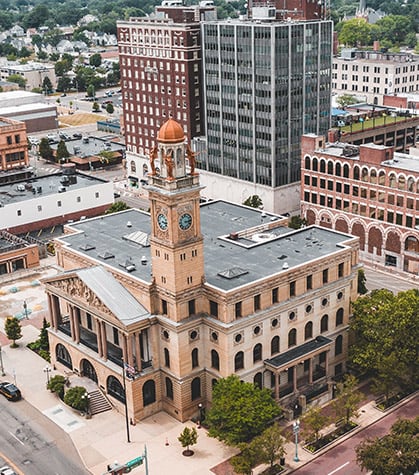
(34, 73)
(16, 254)
(369, 191)
(207, 291)
(50, 200)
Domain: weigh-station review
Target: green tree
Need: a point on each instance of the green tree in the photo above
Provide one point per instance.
(116, 207)
(253, 201)
(394, 28)
(95, 107)
(43, 335)
(355, 32)
(90, 90)
(239, 410)
(393, 454)
(110, 108)
(249, 457)
(107, 156)
(313, 422)
(188, 437)
(45, 150)
(62, 152)
(47, 85)
(347, 399)
(271, 444)
(385, 330)
(36, 17)
(346, 100)
(18, 79)
(42, 55)
(296, 222)
(95, 60)
(13, 330)
(362, 280)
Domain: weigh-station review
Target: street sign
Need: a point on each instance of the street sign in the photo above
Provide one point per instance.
(133, 463)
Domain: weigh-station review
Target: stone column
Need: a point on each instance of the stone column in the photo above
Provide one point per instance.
(294, 379)
(123, 337)
(327, 364)
(277, 382)
(77, 325)
(310, 370)
(99, 337)
(129, 350)
(72, 323)
(137, 349)
(54, 323)
(104, 341)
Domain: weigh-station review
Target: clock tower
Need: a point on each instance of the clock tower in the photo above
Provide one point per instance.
(176, 240)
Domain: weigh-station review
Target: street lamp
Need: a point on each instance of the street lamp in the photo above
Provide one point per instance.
(200, 407)
(296, 431)
(1, 364)
(25, 309)
(86, 396)
(47, 370)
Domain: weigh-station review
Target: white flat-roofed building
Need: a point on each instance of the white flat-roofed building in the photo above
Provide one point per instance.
(52, 200)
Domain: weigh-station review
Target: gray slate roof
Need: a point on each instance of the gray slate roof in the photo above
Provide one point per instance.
(113, 294)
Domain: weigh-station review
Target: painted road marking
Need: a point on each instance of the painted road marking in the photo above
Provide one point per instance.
(339, 468)
(13, 435)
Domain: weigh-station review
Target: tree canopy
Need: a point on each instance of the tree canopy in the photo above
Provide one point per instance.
(393, 454)
(385, 338)
(239, 410)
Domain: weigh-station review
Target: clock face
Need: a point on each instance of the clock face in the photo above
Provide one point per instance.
(185, 221)
(162, 222)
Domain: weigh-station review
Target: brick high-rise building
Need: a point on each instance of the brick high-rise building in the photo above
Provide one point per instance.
(160, 58)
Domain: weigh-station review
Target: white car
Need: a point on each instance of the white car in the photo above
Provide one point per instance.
(6, 470)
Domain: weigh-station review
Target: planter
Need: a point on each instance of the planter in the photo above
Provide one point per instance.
(188, 453)
(328, 439)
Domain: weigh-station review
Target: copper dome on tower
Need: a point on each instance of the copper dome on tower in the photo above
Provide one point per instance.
(171, 132)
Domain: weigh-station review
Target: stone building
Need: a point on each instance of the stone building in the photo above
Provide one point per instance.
(173, 300)
(369, 191)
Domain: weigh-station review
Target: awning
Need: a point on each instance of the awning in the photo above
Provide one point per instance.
(299, 352)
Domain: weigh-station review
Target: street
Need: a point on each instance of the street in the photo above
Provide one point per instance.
(341, 459)
(377, 279)
(34, 444)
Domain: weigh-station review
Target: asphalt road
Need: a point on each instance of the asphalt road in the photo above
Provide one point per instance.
(341, 460)
(35, 445)
(386, 280)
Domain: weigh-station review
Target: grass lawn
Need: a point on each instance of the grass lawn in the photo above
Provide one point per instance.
(370, 123)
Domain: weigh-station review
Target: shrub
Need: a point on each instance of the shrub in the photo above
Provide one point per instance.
(56, 385)
(74, 398)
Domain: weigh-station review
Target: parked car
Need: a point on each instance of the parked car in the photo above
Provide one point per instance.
(10, 391)
(6, 470)
(77, 135)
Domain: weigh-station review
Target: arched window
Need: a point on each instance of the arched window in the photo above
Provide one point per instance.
(194, 356)
(322, 165)
(145, 169)
(324, 323)
(339, 345)
(239, 361)
(339, 316)
(411, 244)
(257, 353)
(149, 392)
(338, 171)
(169, 388)
(292, 337)
(63, 356)
(381, 177)
(330, 167)
(196, 388)
(401, 182)
(257, 380)
(166, 358)
(315, 164)
(275, 345)
(213, 382)
(346, 170)
(356, 173)
(133, 166)
(392, 180)
(307, 162)
(373, 176)
(115, 389)
(215, 360)
(308, 330)
(364, 174)
(410, 184)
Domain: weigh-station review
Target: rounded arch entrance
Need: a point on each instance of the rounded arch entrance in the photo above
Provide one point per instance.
(88, 370)
(115, 388)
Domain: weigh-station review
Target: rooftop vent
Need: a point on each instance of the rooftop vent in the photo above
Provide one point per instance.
(129, 224)
(263, 237)
(144, 260)
(233, 273)
(234, 236)
(128, 265)
(285, 265)
(106, 255)
(87, 247)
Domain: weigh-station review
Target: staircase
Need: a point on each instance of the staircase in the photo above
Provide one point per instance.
(98, 403)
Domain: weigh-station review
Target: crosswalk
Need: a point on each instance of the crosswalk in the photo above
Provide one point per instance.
(48, 171)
